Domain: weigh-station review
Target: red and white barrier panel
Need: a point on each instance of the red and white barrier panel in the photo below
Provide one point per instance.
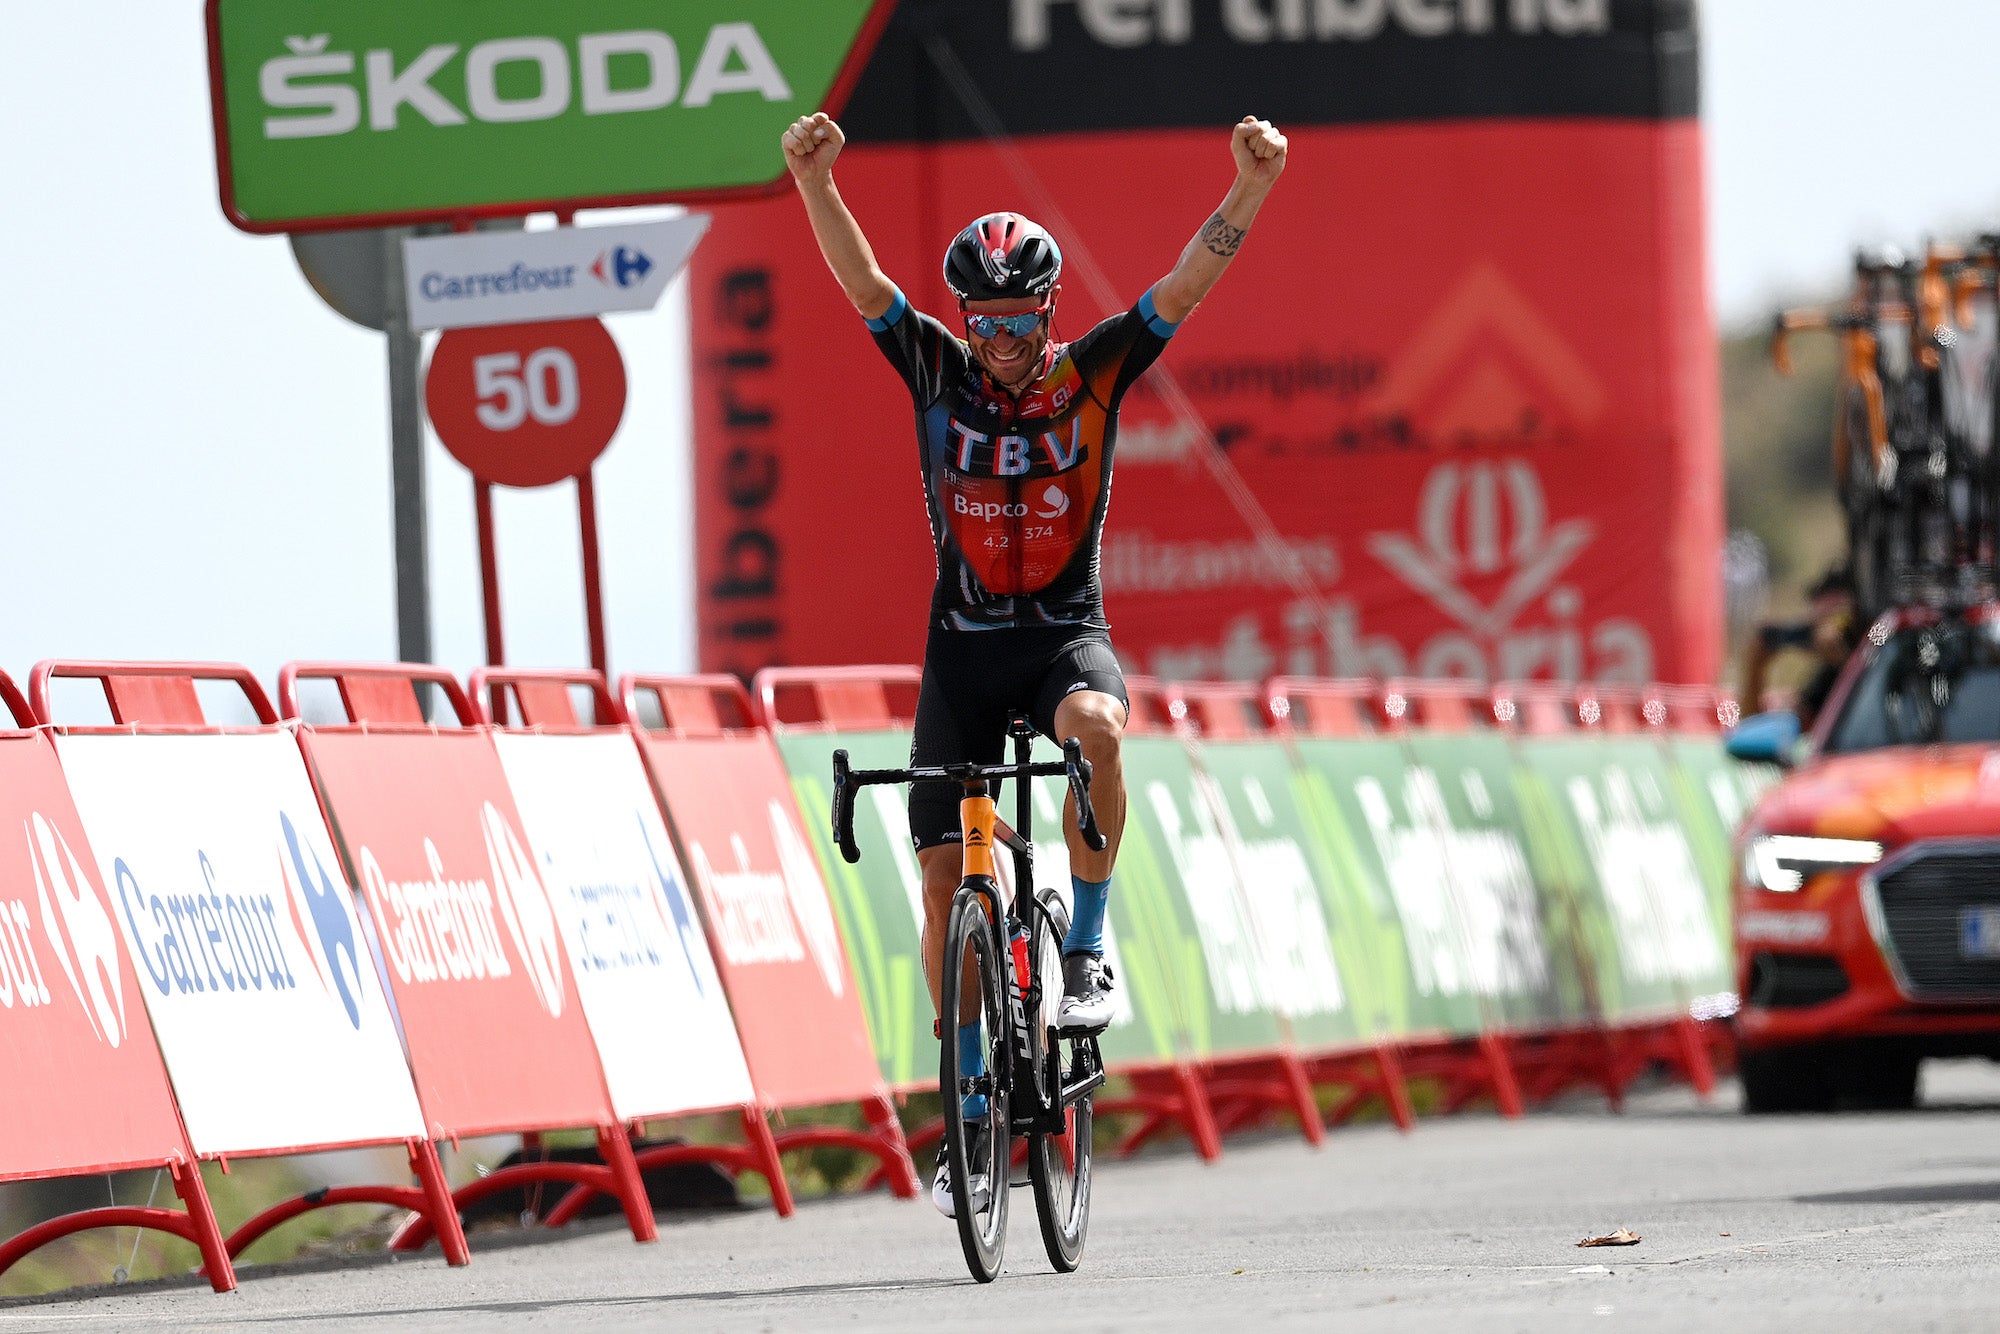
(769, 916)
(85, 1089)
(474, 955)
(252, 962)
(644, 975)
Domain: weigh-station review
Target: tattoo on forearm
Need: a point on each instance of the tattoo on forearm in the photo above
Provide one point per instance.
(1220, 238)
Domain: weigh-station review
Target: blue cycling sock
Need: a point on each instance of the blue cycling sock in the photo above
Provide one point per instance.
(972, 1061)
(1086, 923)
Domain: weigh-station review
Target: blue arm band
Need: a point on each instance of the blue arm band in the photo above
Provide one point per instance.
(1150, 315)
(891, 315)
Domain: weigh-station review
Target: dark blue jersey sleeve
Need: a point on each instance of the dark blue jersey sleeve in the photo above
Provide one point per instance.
(921, 349)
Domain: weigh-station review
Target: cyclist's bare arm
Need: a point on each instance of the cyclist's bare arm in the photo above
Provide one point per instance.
(811, 144)
(1259, 151)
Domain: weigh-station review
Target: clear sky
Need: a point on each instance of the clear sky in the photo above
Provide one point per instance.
(195, 449)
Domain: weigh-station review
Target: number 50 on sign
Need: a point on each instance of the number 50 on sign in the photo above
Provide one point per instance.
(526, 404)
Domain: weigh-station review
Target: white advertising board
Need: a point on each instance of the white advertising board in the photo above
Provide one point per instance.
(647, 982)
(562, 273)
(241, 926)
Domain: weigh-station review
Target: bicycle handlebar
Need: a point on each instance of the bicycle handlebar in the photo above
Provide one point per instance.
(848, 780)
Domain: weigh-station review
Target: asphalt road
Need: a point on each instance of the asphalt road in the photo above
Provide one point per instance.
(1850, 1222)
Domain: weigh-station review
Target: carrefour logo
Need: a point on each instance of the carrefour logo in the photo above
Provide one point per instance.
(622, 266)
(79, 931)
(809, 901)
(336, 958)
(314, 91)
(525, 909)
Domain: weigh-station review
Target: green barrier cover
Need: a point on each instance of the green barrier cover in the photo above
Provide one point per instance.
(1176, 882)
(1714, 794)
(1653, 940)
(1286, 881)
(1393, 927)
(880, 902)
(1519, 942)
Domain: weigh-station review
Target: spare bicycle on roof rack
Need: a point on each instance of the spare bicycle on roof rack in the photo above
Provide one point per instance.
(1913, 433)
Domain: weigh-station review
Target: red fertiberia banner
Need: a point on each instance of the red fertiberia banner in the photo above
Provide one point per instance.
(1464, 361)
(489, 1011)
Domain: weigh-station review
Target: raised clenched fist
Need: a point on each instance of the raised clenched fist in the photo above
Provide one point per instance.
(811, 144)
(1259, 150)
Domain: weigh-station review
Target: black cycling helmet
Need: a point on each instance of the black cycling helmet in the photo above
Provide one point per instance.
(1002, 257)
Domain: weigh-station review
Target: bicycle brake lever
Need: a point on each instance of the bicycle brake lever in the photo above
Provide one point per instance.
(1077, 770)
(843, 809)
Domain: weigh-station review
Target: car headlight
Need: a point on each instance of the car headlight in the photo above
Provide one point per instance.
(1784, 862)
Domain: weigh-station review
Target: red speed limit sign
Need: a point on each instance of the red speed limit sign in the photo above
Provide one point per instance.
(526, 404)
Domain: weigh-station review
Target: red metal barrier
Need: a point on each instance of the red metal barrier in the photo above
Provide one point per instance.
(836, 698)
(652, 1019)
(86, 1091)
(298, 1054)
(488, 1004)
(770, 920)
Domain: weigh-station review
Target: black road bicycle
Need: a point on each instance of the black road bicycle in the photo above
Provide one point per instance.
(1037, 1081)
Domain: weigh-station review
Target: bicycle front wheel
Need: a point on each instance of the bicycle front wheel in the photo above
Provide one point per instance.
(1059, 1165)
(976, 1146)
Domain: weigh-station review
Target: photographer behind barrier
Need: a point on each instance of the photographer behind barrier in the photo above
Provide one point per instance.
(1826, 638)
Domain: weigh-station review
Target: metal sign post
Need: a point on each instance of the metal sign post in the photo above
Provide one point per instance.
(406, 458)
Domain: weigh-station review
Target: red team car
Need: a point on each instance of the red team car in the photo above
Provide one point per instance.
(1868, 881)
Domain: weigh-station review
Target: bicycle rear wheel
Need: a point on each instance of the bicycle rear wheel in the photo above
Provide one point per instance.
(976, 1146)
(1059, 1165)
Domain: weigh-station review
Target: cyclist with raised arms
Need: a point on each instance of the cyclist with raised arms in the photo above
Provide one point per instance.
(1015, 433)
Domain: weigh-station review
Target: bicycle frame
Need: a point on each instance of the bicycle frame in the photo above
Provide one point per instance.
(980, 831)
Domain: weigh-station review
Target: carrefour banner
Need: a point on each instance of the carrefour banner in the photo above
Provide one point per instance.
(1463, 359)
(246, 947)
(770, 918)
(468, 938)
(86, 1090)
(643, 972)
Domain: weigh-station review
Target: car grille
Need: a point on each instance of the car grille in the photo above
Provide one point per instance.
(1923, 896)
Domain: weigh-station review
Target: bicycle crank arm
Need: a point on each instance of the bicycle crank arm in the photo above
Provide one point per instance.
(1082, 1088)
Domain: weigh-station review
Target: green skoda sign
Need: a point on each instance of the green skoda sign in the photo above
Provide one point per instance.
(366, 112)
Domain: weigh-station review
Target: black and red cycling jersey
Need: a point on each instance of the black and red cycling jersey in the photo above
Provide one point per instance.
(1018, 487)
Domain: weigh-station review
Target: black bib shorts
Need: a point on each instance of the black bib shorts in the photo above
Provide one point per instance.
(975, 682)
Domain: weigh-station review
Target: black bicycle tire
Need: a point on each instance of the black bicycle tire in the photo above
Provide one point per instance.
(1062, 1192)
(984, 1245)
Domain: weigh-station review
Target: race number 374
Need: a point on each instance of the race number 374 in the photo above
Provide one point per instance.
(526, 404)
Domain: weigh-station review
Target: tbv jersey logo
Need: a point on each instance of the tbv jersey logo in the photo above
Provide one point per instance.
(79, 931)
(621, 266)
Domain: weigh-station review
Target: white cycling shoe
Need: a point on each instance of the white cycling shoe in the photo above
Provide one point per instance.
(975, 1154)
(1086, 1002)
